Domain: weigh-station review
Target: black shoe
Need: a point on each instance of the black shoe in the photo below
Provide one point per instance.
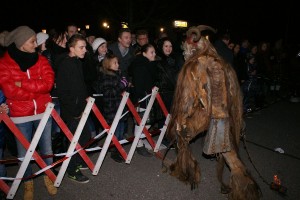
(143, 151)
(78, 177)
(116, 157)
(83, 166)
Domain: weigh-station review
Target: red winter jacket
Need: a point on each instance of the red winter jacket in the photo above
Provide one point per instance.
(34, 94)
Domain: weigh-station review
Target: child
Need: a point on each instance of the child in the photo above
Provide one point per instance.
(111, 84)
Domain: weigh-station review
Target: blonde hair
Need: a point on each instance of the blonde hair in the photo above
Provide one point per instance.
(106, 64)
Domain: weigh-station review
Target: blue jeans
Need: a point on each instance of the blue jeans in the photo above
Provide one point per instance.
(45, 145)
(55, 127)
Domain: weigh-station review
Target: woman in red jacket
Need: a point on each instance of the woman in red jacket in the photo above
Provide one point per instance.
(26, 79)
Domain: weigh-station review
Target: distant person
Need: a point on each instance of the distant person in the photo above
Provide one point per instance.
(72, 93)
(123, 50)
(142, 38)
(56, 45)
(168, 69)
(41, 39)
(100, 50)
(71, 29)
(251, 90)
(222, 48)
(133, 39)
(239, 64)
(26, 79)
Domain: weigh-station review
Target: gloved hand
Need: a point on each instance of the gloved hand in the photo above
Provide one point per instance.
(124, 81)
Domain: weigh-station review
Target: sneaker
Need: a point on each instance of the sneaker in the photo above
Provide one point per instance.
(143, 151)
(83, 167)
(78, 177)
(116, 157)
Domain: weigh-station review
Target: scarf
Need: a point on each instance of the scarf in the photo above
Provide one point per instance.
(23, 59)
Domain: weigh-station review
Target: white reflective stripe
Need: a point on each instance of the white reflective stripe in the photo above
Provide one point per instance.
(97, 95)
(19, 120)
(35, 107)
(28, 74)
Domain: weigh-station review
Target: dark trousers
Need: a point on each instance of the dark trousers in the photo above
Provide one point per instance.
(83, 139)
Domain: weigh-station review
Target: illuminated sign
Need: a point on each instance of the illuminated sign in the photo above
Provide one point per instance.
(180, 24)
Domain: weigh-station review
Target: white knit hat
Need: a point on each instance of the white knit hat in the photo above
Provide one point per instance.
(97, 43)
(41, 38)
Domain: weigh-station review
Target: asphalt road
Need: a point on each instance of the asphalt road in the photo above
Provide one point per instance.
(277, 126)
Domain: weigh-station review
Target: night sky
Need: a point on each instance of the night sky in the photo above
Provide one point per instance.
(254, 19)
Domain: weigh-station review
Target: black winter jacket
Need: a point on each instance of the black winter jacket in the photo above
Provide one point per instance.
(71, 88)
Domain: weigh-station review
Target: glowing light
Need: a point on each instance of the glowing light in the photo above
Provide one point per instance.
(180, 24)
(124, 24)
(277, 180)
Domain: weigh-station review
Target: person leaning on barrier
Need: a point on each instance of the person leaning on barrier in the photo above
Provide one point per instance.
(72, 95)
(111, 84)
(26, 79)
(143, 71)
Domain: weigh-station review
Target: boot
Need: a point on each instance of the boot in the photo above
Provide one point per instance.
(28, 190)
(49, 185)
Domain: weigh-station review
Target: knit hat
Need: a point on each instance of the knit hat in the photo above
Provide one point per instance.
(18, 36)
(2, 38)
(41, 38)
(97, 43)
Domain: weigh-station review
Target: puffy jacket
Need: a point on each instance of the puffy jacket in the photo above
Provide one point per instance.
(36, 83)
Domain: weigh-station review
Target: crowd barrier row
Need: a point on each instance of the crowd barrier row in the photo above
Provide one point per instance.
(75, 147)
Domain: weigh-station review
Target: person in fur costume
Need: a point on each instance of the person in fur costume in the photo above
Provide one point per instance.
(208, 100)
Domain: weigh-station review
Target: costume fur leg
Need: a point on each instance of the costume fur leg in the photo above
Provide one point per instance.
(186, 167)
(243, 186)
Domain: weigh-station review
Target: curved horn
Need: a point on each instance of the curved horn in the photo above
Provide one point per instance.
(204, 27)
(193, 31)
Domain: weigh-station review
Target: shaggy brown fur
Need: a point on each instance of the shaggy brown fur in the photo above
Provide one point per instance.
(207, 88)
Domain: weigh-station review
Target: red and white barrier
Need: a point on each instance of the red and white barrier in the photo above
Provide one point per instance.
(77, 148)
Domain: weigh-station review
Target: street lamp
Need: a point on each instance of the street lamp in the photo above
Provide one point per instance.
(105, 25)
(87, 27)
